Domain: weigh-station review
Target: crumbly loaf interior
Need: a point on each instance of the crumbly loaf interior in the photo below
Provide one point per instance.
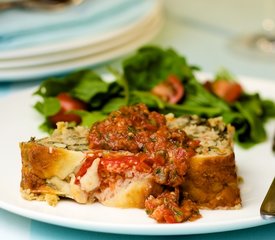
(216, 138)
(71, 138)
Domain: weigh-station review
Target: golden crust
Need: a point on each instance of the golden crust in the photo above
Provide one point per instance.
(212, 182)
(40, 163)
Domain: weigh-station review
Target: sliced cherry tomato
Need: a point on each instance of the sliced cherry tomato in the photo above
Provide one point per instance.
(171, 90)
(228, 91)
(68, 103)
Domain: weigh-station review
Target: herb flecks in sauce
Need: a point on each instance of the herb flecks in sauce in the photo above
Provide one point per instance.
(167, 150)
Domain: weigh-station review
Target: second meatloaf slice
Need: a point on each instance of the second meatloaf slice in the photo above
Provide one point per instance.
(211, 179)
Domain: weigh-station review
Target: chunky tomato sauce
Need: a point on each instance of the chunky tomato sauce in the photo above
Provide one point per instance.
(167, 208)
(135, 139)
(137, 130)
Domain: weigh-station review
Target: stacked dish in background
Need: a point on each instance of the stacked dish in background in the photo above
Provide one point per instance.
(40, 44)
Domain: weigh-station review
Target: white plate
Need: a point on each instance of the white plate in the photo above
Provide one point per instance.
(42, 71)
(19, 122)
(143, 11)
(127, 35)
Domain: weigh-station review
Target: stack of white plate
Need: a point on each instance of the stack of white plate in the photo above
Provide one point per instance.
(41, 44)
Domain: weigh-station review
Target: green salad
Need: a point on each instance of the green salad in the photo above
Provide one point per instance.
(164, 81)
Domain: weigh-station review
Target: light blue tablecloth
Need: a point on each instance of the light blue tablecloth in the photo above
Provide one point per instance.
(16, 227)
(204, 32)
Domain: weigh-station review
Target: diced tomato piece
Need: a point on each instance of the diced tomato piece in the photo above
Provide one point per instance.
(169, 216)
(228, 91)
(171, 90)
(68, 103)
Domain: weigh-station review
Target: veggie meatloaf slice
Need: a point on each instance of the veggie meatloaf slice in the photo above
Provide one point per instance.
(52, 166)
(211, 179)
(62, 165)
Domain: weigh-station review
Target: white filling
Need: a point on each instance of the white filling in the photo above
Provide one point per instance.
(90, 180)
(61, 185)
(76, 193)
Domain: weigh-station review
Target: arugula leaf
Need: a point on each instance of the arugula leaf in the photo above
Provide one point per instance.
(224, 74)
(121, 81)
(89, 118)
(184, 109)
(250, 111)
(87, 88)
(268, 109)
(53, 86)
(48, 107)
(46, 126)
(198, 96)
(254, 132)
(152, 65)
(147, 98)
(114, 104)
(100, 99)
